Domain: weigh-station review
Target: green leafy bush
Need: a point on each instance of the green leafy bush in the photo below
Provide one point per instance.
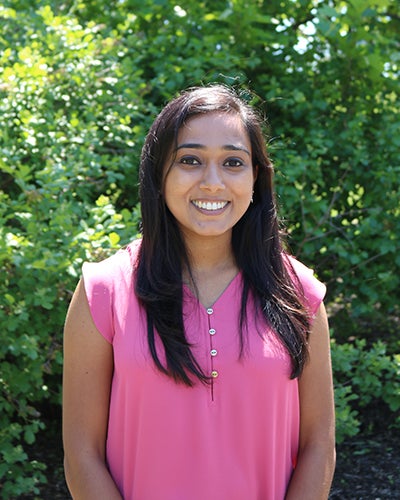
(67, 138)
(41, 258)
(80, 83)
(365, 377)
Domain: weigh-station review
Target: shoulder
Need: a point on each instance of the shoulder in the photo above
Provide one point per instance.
(115, 269)
(108, 285)
(313, 289)
(104, 278)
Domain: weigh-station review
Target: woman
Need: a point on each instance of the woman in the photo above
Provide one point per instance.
(197, 362)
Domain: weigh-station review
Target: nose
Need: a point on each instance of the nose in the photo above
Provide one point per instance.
(212, 178)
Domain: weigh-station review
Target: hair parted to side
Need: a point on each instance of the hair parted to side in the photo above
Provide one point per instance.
(256, 242)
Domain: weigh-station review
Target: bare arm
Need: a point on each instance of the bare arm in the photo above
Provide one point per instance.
(88, 367)
(313, 475)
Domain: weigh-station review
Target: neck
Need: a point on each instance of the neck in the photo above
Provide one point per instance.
(212, 267)
(210, 255)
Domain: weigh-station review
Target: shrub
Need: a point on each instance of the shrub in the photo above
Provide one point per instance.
(67, 137)
(365, 378)
(80, 83)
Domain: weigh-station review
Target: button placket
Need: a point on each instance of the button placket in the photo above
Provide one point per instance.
(213, 351)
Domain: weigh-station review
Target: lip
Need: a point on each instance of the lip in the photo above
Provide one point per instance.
(209, 206)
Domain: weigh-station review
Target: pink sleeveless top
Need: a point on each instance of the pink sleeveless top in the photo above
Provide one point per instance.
(236, 439)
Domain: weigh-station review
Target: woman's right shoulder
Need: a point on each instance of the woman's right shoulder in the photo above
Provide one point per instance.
(116, 268)
(108, 286)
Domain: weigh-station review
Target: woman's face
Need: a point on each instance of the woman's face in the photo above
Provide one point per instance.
(209, 185)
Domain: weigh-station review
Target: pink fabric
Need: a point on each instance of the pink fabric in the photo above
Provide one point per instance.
(235, 440)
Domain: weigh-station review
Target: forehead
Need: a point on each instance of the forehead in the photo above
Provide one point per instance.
(214, 129)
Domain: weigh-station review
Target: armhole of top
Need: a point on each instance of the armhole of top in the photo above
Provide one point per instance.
(314, 290)
(99, 297)
(102, 280)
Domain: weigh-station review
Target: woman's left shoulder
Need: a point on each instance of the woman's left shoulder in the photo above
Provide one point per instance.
(132, 250)
(314, 290)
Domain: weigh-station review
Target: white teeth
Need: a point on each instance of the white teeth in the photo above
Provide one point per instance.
(208, 205)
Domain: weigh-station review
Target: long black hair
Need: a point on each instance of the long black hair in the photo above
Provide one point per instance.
(256, 243)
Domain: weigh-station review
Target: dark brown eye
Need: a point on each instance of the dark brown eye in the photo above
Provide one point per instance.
(189, 160)
(233, 162)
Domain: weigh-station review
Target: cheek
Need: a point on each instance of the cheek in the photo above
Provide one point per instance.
(169, 185)
(247, 185)
(166, 178)
(172, 191)
(174, 194)
(178, 183)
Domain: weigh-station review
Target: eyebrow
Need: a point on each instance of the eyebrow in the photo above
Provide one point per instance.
(227, 147)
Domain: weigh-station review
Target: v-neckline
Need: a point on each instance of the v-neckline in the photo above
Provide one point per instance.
(230, 285)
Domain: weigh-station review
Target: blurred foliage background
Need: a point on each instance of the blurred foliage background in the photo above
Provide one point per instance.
(80, 83)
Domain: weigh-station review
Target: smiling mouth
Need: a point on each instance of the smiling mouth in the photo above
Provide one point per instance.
(210, 205)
